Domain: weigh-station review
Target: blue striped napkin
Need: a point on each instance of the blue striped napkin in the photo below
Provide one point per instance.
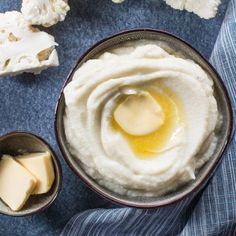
(211, 212)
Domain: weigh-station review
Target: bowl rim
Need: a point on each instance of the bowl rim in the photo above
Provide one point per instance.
(59, 173)
(174, 199)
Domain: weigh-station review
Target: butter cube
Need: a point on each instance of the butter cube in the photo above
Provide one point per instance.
(41, 166)
(16, 183)
(139, 114)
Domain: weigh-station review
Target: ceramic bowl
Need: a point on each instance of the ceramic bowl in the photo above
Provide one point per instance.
(175, 45)
(16, 143)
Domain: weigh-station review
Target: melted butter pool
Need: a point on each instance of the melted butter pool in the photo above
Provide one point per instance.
(149, 146)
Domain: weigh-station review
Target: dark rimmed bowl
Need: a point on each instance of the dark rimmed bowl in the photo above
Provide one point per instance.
(173, 45)
(17, 143)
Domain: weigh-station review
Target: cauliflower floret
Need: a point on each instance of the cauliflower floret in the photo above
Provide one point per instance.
(44, 12)
(204, 8)
(24, 48)
(118, 1)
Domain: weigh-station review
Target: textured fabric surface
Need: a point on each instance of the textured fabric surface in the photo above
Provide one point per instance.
(27, 102)
(212, 212)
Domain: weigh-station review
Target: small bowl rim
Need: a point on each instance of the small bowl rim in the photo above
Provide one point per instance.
(59, 173)
(210, 173)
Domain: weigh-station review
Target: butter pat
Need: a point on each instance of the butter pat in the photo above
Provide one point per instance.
(139, 114)
(40, 165)
(16, 183)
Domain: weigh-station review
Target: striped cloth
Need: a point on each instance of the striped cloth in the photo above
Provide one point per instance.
(211, 212)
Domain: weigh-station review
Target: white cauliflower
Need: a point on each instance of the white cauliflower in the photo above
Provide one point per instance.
(44, 12)
(118, 1)
(204, 8)
(24, 48)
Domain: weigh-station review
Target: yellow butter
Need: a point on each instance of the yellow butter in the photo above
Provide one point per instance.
(41, 166)
(139, 114)
(16, 183)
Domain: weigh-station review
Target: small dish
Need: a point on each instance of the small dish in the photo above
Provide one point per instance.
(171, 44)
(16, 143)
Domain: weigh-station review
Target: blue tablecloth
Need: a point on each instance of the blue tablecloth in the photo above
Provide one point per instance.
(27, 102)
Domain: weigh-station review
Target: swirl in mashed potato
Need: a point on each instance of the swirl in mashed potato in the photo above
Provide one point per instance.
(132, 159)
